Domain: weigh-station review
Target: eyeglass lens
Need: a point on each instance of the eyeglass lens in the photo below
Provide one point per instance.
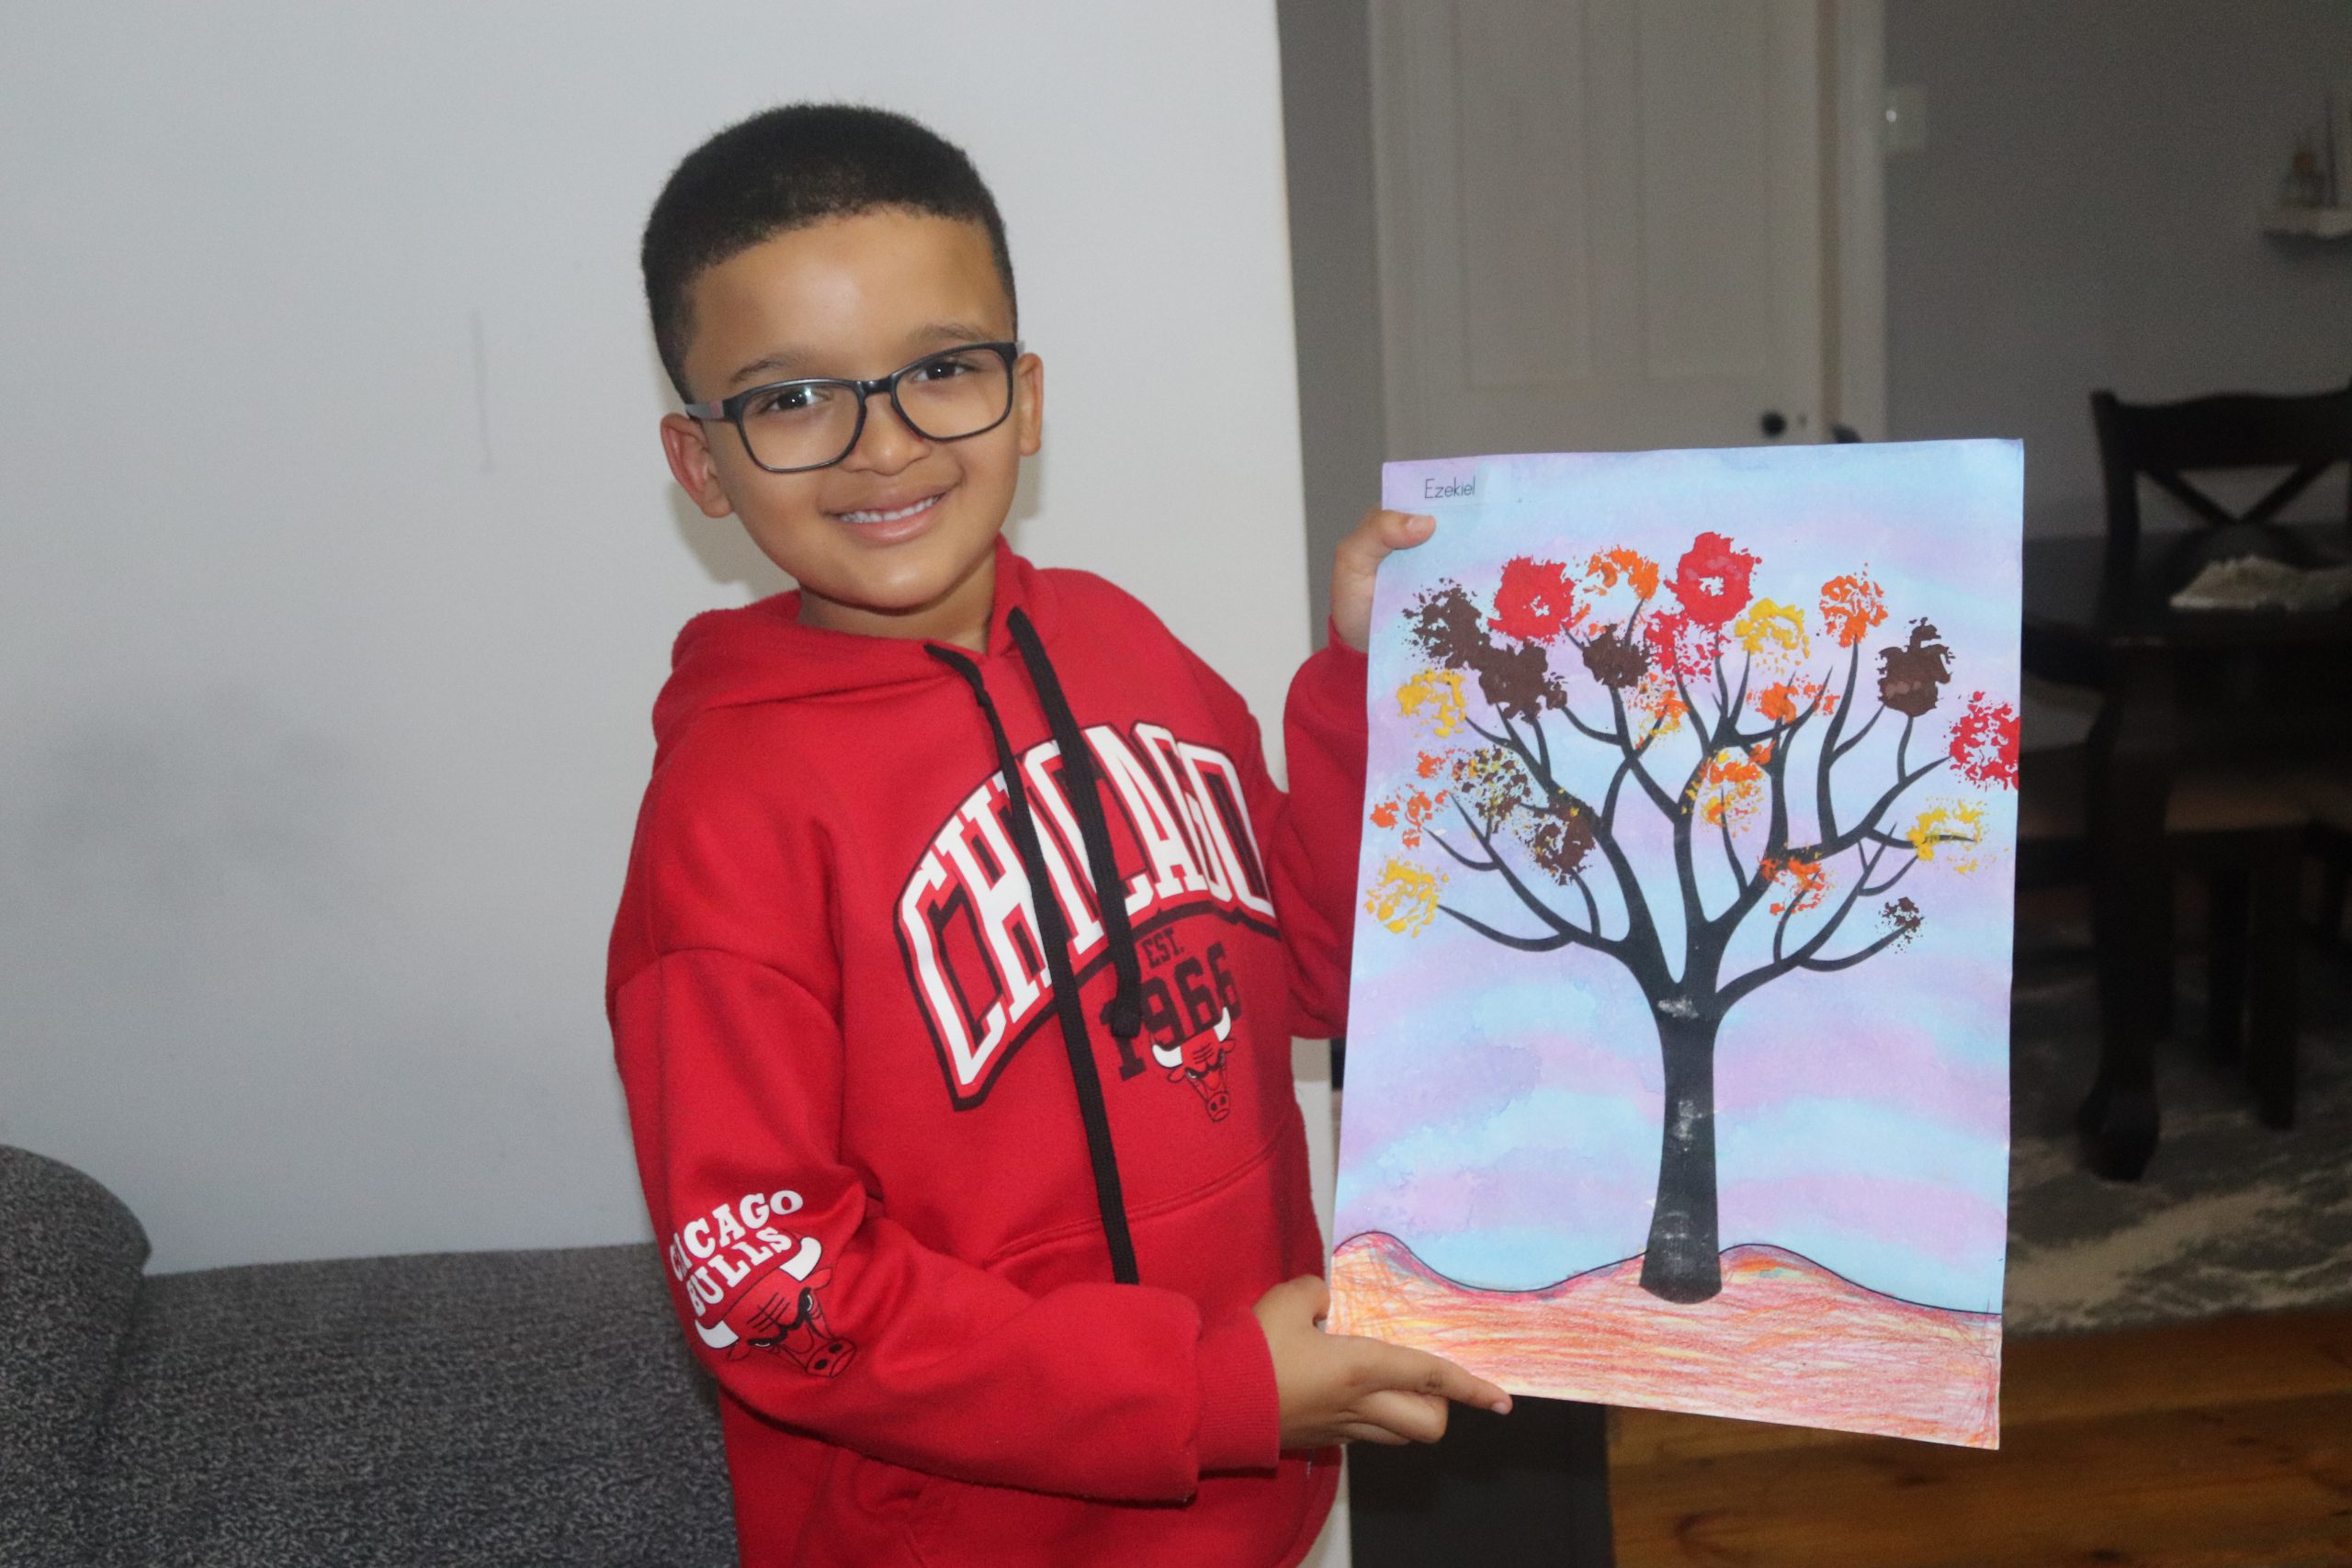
(944, 397)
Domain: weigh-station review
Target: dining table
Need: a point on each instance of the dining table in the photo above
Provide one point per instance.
(2101, 616)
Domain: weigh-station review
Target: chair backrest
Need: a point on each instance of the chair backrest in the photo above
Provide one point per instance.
(2306, 435)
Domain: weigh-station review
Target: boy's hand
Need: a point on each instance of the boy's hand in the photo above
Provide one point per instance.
(1336, 1388)
(1359, 557)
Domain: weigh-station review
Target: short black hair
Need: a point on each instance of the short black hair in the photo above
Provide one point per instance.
(784, 169)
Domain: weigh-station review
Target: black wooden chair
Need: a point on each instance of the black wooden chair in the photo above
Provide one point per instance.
(2241, 831)
(2326, 792)
(2306, 434)
(2245, 840)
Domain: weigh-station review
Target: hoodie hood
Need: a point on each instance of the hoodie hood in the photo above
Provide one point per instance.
(762, 653)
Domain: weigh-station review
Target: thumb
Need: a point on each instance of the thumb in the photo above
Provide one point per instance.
(1356, 565)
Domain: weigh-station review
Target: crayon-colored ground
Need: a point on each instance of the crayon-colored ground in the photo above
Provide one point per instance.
(1787, 1340)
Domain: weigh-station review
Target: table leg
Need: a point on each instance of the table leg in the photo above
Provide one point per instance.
(2131, 759)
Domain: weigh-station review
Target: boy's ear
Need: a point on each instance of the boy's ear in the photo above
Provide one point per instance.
(687, 443)
(1029, 402)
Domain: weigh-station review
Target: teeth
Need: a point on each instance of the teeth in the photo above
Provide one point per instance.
(923, 506)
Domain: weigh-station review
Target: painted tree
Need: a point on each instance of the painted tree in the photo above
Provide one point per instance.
(1733, 718)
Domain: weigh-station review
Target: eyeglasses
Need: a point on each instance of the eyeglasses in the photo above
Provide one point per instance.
(789, 427)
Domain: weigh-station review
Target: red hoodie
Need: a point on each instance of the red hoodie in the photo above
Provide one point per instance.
(971, 1251)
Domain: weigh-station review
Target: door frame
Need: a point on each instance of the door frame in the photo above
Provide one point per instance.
(1853, 216)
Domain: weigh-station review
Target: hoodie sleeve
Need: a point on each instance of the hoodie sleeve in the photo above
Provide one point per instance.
(814, 1308)
(1319, 834)
(1309, 837)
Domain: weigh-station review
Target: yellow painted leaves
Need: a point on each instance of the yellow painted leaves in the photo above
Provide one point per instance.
(1433, 697)
(1404, 899)
(1951, 832)
(1768, 628)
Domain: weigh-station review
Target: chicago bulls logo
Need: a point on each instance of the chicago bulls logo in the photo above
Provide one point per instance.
(1200, 1062)
(782, 1313)
(754, 1286)
(1190, 1006)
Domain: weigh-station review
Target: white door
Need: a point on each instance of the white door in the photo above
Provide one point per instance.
(1600, 223)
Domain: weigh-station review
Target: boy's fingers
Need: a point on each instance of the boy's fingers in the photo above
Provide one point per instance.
(1306, 1297)
(1357, 564)
(1365, 1432)
(1418, 1417)
(1381, 533)
(1425, 1373)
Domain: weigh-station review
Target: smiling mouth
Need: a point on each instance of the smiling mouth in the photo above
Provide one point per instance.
(895, 514)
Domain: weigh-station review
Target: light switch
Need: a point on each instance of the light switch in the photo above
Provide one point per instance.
(1906, 120)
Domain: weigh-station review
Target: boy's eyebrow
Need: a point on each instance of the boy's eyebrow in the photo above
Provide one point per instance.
(956, 332)
(777, 364)
(788, 364)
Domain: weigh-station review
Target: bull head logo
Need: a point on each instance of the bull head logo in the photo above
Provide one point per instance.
(782, 1313)
(1200, 1062)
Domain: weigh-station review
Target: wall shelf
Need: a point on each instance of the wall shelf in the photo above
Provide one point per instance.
(2313, 222)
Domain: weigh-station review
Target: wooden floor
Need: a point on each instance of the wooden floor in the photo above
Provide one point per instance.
(2191, 1447)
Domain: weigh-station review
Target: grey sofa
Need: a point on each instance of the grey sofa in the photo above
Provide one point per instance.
(465, 1409)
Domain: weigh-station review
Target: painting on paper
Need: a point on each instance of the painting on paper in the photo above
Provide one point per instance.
(1678, 1041)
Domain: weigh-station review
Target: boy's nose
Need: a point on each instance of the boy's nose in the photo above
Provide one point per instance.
(888, 443)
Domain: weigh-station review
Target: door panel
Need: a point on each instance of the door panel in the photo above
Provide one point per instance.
(1600, 222)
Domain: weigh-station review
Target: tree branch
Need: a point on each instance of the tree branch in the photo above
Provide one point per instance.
(1523, 944)
(1535, 905)
(1765, 972)
(1590, 732)
(1830, 966)
(1902, 872)
(1459, 858)
(1731, 851)
(1868, 725)
(1824, 798)
(1650, 786)
(1641, 926)
(1852, 836)
(1592, 905)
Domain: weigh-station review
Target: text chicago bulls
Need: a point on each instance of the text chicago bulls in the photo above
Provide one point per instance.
(968, 930)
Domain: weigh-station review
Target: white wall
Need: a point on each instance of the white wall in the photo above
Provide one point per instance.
(2084, 216)
(341, 567)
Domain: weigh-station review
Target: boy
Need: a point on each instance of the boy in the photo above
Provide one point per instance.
(947, 986)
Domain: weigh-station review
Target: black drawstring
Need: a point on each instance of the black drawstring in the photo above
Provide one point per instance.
(1053, 933)
(1124, 1012)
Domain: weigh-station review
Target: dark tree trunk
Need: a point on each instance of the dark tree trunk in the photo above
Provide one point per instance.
(1680, 1264)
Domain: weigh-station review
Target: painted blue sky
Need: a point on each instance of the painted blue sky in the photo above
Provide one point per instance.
(1502, 1113)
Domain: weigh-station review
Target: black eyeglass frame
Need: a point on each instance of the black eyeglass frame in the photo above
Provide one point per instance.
(730, 408)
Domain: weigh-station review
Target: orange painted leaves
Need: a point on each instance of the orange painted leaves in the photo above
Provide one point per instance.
(1638, 571)
(1411, 811)
(1801, 884)
(1851, 606)
(1782, 699)
(1731, 784)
